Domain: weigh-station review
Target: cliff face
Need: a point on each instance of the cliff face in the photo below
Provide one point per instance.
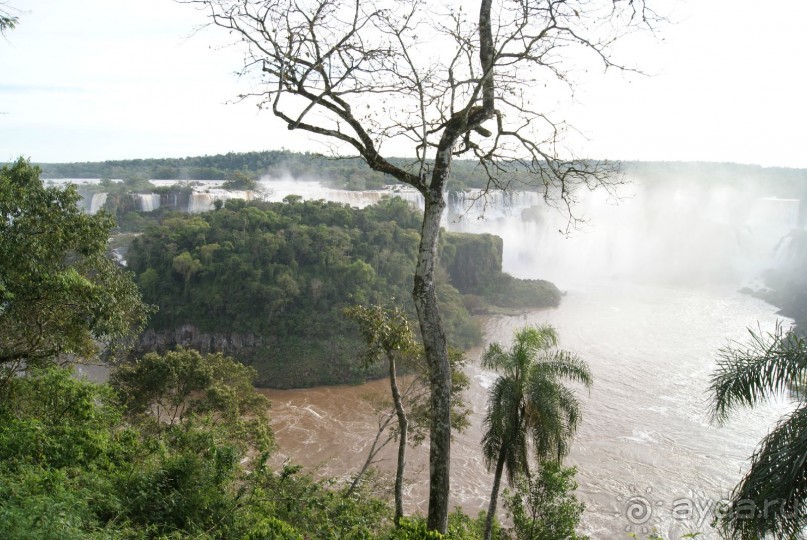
(189, 336)
(474, 266)
(315, 363)
(473, 261)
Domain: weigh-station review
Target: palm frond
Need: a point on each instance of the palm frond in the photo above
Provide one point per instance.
(564, 365)
(572, 410)
(768, 364)
(547, 419)
(495, 357)
(770, 500)
(533, 339)
(502, 403)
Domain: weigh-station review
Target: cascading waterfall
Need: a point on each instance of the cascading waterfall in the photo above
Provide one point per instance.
(476, 204)
(776, 212)
(146, 202)
(205, 201)
(278, 189)
(97, 202)
(673, 234)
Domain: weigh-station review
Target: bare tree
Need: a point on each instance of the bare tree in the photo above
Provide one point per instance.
(366, 73)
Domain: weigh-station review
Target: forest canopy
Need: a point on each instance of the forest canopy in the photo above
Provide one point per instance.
(267, 282)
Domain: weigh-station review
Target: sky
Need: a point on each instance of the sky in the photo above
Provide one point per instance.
(91, 80)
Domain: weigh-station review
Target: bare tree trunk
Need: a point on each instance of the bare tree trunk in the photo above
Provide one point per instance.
(403, 426)
(434, 342)
(494, 495)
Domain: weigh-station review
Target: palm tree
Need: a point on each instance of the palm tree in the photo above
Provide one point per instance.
(770, 499)
(528, 402)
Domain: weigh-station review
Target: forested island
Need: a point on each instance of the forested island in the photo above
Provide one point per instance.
(267, 283)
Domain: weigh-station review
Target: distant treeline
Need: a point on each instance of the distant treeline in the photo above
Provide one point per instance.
(267, 282)
(345, 173)
(348, 173)
(219, 167)
(353, 173)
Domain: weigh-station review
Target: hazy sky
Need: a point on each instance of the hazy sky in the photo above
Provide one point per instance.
(90, 80)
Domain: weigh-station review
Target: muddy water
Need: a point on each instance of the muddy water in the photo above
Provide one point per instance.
(646, 445)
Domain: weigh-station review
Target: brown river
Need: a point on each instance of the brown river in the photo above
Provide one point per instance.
(646, 445)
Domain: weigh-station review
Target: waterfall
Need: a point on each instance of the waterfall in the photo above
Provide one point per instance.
(171, 200)
(146, 202)
(204, 201)
(476, 204)
(200, 202)
(97, 202)
(278, 189)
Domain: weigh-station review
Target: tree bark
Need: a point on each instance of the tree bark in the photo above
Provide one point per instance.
(403, 426)
(434, 342)
(494, 495)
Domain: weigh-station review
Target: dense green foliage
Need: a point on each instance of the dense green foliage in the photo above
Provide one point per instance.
(277, 276)
(543, 506)
(59, 292)
(460, 527)
(75, 464)
(283, 272)
(474, 266)
(84, 460)
(183, 386)
(241, 180)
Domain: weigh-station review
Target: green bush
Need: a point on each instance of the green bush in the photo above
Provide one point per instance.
(544, 506)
